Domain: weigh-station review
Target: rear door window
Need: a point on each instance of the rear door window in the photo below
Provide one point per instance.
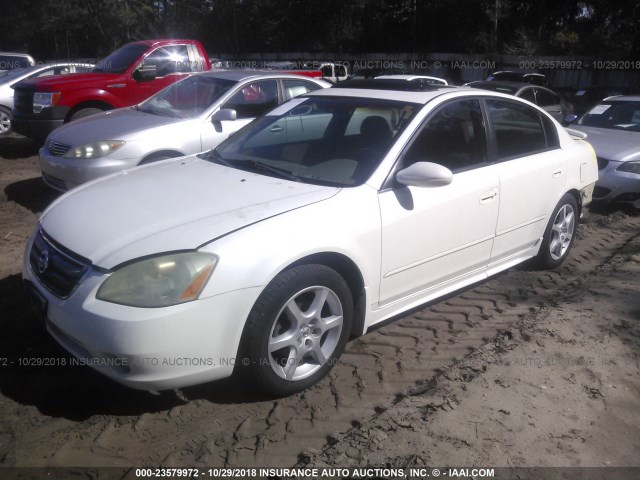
(518, 129)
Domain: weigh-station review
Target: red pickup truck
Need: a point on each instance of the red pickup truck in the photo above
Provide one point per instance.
(129, 75)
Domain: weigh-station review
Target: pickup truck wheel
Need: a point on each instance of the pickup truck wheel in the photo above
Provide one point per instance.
(296, 330)
(5, 121)
(85, 112)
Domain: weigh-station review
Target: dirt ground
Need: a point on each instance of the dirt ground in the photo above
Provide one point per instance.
(527, 369)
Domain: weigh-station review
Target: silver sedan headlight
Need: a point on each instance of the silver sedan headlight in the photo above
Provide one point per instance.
(160, 281)
(95, 150)
(631, 167)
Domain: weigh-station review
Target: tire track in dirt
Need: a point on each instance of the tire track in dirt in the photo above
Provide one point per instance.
(375, 372)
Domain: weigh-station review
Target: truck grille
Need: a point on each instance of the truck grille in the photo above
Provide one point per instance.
(60, 272)
(23, 100)
(57, 149)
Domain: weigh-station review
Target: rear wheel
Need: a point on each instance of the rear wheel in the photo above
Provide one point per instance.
(297, 329)
(5, 121)
(559, 234)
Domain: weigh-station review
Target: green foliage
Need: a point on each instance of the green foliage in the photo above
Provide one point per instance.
(92, 28)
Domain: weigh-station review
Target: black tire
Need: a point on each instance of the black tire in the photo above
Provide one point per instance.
(5, 122)
(559, 235)
(84, 112)
(311, 347)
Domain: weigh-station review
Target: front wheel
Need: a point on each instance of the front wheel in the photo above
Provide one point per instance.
(5, 121)
(85, 112)
(559, 235)
(297, 329)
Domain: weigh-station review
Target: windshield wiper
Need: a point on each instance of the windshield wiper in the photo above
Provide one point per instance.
(249, 165)
(215, 156)
(281, 172)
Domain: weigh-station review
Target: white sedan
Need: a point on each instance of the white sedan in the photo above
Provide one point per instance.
(330, 214)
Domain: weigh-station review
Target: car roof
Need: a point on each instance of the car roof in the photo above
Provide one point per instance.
(410, 77)
(500, 84)
(375, 89)
(16, 54)
(623, 98)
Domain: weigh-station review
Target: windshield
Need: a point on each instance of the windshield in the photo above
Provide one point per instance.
(120, 60)
(335, 141)
(188, 98)
(613, 115)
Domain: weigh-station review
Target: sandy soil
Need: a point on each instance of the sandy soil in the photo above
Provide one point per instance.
(527, 369)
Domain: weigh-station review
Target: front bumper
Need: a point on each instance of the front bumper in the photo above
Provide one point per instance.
(64, 174)
(146, 348)
(38, 125)
(615, 186)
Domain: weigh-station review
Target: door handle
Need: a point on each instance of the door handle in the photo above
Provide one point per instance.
(276, 129)
(557, 173)
(488, 196)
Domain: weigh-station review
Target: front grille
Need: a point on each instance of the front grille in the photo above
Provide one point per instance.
(602, 162)
(23, 100)
(58, 271)
(57, 149)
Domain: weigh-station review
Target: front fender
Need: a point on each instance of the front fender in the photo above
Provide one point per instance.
(254, 255)
(87, 95)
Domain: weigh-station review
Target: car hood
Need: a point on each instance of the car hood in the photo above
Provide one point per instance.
(121, 124)
(76, 81)
(611, 144)
(178, 204)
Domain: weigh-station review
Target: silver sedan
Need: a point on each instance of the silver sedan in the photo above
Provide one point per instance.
(613, 129)
(187, 117)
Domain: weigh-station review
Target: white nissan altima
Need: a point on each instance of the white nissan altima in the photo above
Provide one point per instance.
(331, 213)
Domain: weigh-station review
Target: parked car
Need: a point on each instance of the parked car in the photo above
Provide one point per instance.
(585, 98)
(419, 79)
(188, 117)
(541, 96)
(11, 60)
(127, 76)
(335, 211)
(522, 77)
(613, 128)
(11, 77)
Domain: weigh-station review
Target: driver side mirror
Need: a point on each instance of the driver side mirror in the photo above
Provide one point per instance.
(145, 73)
(224, 114)
(425, 174)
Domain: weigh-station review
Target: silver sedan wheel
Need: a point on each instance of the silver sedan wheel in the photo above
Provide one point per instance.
(305, 333)
(5, 122)
(562, 232)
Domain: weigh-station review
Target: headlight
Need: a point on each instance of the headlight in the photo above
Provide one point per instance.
(95, 150)
(45, 100)
(160, 281)
(631, 167)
